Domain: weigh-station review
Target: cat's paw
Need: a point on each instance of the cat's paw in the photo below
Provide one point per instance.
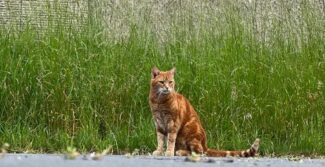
(158, 153)
(169, 153)
(182, 153)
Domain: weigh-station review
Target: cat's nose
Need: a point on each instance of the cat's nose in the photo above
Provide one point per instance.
(166, 90)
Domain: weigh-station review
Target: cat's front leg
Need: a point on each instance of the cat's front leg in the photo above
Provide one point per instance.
(160, 147)
(171, 143)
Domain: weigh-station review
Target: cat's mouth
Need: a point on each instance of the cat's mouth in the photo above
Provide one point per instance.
(163, 91)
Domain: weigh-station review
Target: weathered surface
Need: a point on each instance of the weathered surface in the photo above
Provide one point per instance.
(49, 160)
(164, 16)
(40, 14)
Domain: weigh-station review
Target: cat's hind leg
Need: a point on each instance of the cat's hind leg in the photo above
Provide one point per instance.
(196, 146)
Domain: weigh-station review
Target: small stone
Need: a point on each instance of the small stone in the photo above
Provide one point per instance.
(211, 160)
(128, 155)
(229, 160)
(84, 157)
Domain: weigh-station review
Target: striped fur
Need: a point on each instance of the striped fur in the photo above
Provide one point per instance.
(246, 153)
(178, 123)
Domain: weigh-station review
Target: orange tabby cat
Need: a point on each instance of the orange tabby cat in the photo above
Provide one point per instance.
(177, 121)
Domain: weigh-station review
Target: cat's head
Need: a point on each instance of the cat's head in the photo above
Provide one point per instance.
(162, 82)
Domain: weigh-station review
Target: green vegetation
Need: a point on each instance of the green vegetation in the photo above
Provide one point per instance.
(250, 69)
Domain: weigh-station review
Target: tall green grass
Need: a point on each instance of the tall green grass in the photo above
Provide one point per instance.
(249, 69)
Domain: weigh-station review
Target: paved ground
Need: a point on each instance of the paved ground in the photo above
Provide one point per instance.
(45, 160)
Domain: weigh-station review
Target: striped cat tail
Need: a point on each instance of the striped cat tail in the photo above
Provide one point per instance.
(246, 153)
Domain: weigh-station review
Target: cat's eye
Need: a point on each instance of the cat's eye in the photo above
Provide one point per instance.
(162, 82)
(170, 82)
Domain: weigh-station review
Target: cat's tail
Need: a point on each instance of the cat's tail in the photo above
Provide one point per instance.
(246, 153)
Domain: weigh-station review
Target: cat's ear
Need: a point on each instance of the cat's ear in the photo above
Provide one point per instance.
(154, 72)
(173, 71)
